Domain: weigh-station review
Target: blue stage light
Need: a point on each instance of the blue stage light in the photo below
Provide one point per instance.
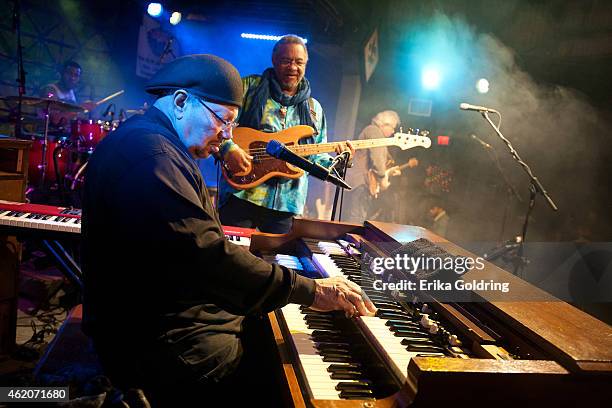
(155, 9)
(265, 37)
(431, 77)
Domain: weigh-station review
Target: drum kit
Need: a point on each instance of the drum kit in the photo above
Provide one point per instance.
(60, 149)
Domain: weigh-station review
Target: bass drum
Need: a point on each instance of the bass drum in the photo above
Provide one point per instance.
(81, 148)
(85, 134)
(57, 160)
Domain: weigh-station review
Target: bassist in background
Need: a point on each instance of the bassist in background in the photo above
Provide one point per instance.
(276, 100)
(370, 174)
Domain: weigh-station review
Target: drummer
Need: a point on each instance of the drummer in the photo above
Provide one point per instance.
(64, 90)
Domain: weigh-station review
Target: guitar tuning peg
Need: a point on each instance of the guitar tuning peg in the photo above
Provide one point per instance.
(424, 132)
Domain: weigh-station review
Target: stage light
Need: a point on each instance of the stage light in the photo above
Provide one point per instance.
(175, 18)
(155, 9)
(482, 85)
(266, 37)
(431, 77)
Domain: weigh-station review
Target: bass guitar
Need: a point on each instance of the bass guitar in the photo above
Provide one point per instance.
(263, 166)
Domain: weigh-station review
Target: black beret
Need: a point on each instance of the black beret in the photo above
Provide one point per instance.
(207, 76)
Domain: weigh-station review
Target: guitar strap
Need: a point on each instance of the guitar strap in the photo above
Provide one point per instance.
(313, 115)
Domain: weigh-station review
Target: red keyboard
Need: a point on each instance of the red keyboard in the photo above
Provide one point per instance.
(24, 217)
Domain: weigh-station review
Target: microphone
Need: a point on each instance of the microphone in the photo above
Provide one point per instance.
(280, 151)
(482, 142)
(467, 106)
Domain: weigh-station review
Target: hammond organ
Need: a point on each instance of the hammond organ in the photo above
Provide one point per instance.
(423, 352)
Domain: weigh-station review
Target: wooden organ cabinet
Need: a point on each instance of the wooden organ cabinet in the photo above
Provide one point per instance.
(14, 156)
(486, 353)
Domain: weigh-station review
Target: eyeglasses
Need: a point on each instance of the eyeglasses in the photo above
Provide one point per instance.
(227, 125)
(285, 62)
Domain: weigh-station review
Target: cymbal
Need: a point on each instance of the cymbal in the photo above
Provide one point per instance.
(52, 104)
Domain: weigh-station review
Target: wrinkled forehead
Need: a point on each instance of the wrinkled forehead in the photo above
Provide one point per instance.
(292, 51)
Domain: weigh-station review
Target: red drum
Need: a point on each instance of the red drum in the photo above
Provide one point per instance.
(56, 153)
(87, 133)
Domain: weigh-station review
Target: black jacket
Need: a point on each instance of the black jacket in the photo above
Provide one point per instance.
(156, 263)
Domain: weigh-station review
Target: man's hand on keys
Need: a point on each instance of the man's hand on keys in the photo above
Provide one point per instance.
(338, 293)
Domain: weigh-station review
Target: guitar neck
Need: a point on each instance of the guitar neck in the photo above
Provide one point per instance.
(308, 149)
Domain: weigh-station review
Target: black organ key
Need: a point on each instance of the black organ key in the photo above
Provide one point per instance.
(357, 394)
(350, 366)
(355, 385)
(417, 340)
(347, 375)
(425, 348)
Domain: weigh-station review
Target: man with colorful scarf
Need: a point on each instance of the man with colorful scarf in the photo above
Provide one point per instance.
(276, 100)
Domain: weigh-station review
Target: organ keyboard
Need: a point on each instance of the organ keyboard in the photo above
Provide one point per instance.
(421, 352)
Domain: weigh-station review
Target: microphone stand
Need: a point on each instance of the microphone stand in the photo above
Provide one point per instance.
(535, 187)
(510, 189)
(341, 160)
(21, 74)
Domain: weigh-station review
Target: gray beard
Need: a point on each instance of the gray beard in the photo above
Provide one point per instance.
(286, 87)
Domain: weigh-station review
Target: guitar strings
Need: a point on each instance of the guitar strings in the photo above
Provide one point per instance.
(255, 151)
(306, 147)
(260, 153)
(266, 156)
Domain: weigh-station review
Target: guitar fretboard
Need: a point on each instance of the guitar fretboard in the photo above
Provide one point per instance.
(306, 150)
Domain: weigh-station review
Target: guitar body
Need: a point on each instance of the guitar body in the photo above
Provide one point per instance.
(373, 184)
(264, 166)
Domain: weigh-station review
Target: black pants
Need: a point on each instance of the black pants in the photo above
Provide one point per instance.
(166, 382)
(242, 213)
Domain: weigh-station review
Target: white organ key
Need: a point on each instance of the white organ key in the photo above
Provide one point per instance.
(289, 261)
(311, 362)
(325, 264)
(391, 345)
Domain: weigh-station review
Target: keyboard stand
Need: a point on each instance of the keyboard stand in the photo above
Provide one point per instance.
(65, 262)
